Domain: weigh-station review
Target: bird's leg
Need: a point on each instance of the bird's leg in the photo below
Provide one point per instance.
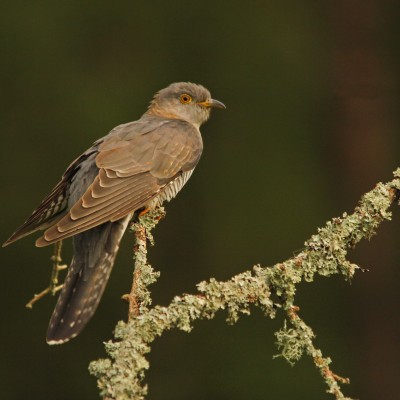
(53, 287)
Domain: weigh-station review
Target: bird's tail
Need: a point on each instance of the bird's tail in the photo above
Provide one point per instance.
(94, 254)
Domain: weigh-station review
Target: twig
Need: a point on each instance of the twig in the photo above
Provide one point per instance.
(57, 267)
(295, 341)
(43, 293)
(53, 287)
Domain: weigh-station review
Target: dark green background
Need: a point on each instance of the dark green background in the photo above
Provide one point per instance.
(312, 123)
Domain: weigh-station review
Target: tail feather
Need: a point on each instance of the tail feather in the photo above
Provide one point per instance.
(94, 254)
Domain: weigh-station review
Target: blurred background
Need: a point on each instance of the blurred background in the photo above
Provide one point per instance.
(312, 91)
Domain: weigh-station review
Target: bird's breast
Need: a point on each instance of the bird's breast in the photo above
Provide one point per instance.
(172, 188)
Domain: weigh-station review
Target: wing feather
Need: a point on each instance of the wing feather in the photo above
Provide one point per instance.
(81, 216)
(55, 204)
(53, 235)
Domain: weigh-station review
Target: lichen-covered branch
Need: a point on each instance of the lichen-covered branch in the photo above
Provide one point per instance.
(297, 340)
(143, 274)
(269, 288)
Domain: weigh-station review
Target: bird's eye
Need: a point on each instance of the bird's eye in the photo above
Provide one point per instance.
(185, 98)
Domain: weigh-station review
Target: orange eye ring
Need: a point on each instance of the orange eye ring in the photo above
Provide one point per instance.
(185, 98)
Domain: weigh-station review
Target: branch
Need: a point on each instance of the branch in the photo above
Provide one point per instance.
(53, 287)
(143, 275)
(269, 288)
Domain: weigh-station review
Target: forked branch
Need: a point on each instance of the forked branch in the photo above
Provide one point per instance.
(270, 288)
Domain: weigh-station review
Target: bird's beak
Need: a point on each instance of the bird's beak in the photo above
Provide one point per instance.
(212, 103)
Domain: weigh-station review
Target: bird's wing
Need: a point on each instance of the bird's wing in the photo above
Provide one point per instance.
(54, 205)
(132, 171)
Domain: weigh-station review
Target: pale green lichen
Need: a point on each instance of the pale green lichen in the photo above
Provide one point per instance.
(270, 288)
(292, 343)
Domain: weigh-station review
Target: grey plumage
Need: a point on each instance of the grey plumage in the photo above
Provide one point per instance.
(138, 164)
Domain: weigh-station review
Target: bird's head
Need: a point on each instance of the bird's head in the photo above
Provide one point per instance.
(184, 100)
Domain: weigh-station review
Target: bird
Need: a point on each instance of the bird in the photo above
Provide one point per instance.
(136, 166)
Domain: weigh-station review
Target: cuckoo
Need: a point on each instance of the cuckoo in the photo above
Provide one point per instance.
(138, 165)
